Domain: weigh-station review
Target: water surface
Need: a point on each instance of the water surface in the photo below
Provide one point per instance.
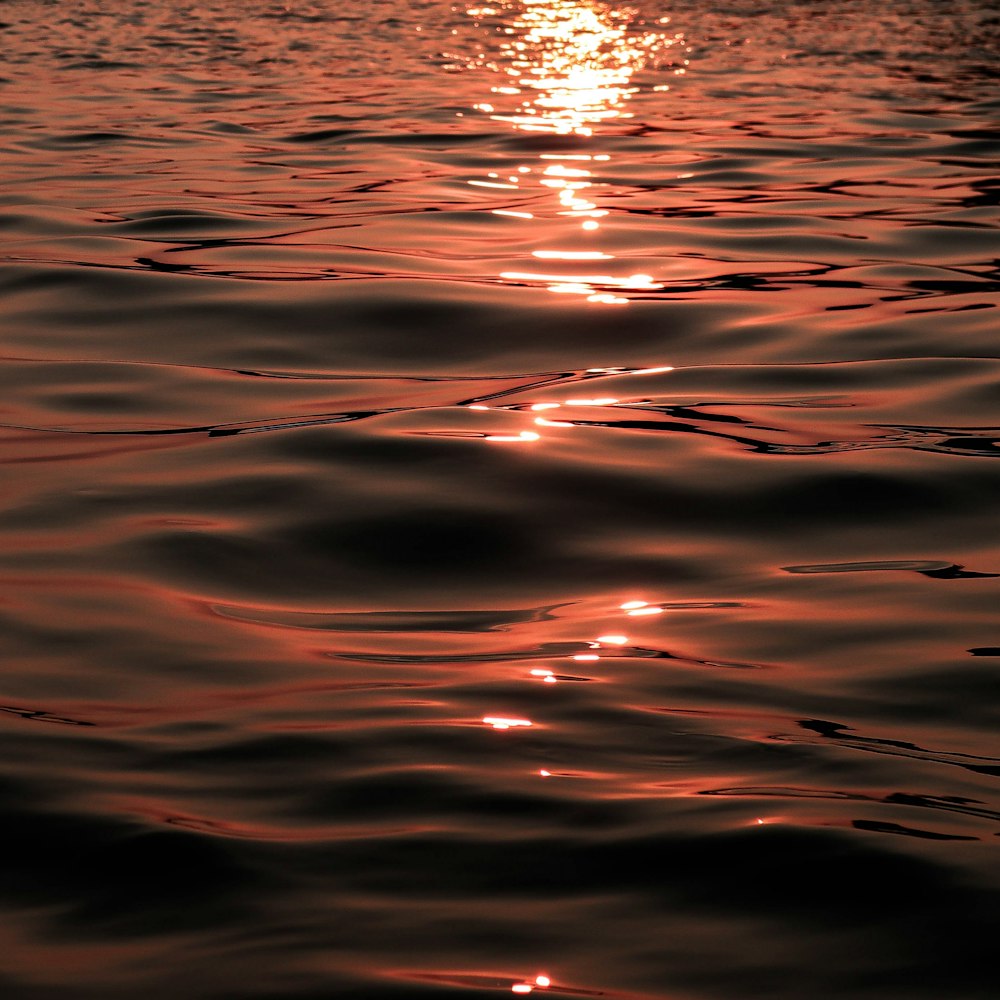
(498, 492)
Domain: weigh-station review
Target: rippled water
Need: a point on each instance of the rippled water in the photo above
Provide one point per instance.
(499, 498)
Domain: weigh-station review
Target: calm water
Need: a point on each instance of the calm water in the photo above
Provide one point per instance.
(499, 492)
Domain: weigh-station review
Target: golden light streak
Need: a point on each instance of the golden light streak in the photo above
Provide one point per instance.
(523, 436)
(558, 170)
(502, 722)
(567, 68)
(654, 371)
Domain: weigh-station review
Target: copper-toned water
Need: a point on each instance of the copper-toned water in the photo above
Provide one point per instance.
(499, 497)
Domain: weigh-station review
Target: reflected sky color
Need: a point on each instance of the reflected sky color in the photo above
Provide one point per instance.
(566, 69)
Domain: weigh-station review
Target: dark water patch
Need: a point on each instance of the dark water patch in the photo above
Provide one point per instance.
(95, 139)
(431, 541)
(40, 715)
(110, 877)
(844, 736)
(391, 621)
(99, 64)
(930, 568)
(953, 804)
(874, 826)
(326, 135)
(163, 222)
(953, 685)
(440, 801)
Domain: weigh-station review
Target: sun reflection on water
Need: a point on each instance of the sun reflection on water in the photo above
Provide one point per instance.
(506, 722)
(567, 68)
(572, 64)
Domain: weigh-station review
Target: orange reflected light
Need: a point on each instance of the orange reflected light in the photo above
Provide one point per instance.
(512, 213)
(613, 640)
(546, 675)
(502, 722)
(543, 981)
(645, 611)
(523, 436)
(631, 605)
(568, 69)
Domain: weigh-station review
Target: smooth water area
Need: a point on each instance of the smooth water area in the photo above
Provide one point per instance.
(499, 498)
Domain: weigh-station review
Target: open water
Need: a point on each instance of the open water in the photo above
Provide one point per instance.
(499, 498)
